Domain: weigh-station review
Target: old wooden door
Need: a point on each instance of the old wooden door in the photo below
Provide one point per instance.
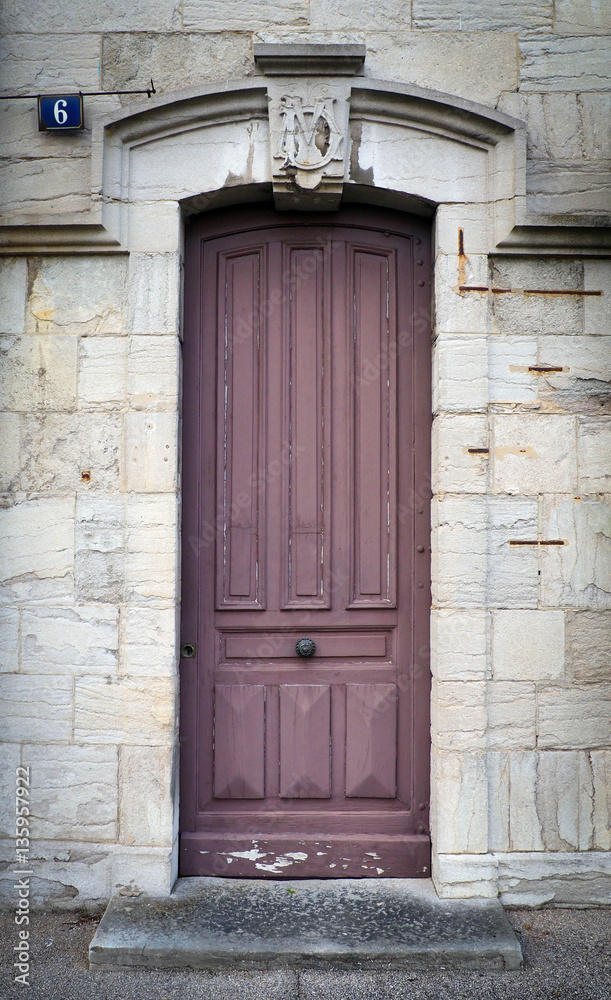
(305, 515)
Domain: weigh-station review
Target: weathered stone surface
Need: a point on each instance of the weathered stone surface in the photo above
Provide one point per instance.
(521, 314)
(10, 432)
(578, 573)
(461, 792)
(150, 452)
(588, 646)
(56, 448)
(534, 453)
(583, 386)
(19, 131)
(528, 645)
(511, 715)
(25, 57)
(563, 64)
(149, 643)
(100, 547)
(509, 380)
(575, 719)
(137, 711)
(474, 222)
(38, 373)
(174, 61)
(245, 15)
(82, 639)
(153, 293)
(136, 870)
(114, 15)
(563, 126)
(9, 640)
(597, 309)
(536, 878)
(146, 811)
(456, 15)
(13, 278)
(459, 374)
(102, 373)
(155, 227)
(578, 188)
(67, 874)
(36, 709)
(601, 814)
(582, 17)
(151, 557)
(483, 716)
(74, 792)
(10, 759)
(461, 312)
(455, 470)
(512, 580)
(463, 876)
(594, 455)
(388, 15)
(459, 645)
(81, 295)
(153, 373)
(459, 552)
(37, 550)
(564, 798)
(65, 184)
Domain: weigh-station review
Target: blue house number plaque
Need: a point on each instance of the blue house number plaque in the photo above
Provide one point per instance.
(60, 111)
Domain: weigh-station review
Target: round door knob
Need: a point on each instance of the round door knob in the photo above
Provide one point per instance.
(305, 647)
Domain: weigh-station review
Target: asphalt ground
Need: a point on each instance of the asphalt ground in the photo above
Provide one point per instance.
(567, 956)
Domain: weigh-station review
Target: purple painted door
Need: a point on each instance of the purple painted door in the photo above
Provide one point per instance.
(305, 515)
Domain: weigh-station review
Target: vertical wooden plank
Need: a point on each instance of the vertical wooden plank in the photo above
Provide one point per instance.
(239, 741)
(305, 721)
(371, 740)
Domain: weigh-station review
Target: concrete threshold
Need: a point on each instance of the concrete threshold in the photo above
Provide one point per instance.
(244, 924)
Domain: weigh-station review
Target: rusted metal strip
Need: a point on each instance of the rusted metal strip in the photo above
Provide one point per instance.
(545, 369)
(478, 451)
(529, 291)
(538, 541)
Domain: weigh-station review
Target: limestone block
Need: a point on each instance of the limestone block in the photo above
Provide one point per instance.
(81, 295)
(151, 555)
(460, 374)
(597, 309)
(36, 709)
(536, 878)
(155, 227)
(578, 573)
(38, 373)
(601, 816)
(10, 759)
(388, 15)
(70, 640)
(57, 448)
(509, 380)
(558, 188)
(564, 799)
(510, 708)
(153, 373)
(459, 552)
(461, 312)
(245, 15)
(497, 768)
(461, 792)
(582, 17)
(583, 385)
(102, 373)
(174, 61)
(151, 452)
(10, 432)
(9, 640)
(588, 646)
(525, 825)
(575, 719)
(474, 222)
(564, 64)
(594, 455)
(528, 645)
(512, 570)
(74, 792)
(465, 876)
(37, 550)
(479, 66)
(477, 716)
(25, 57)
(153, 293)
(534, 453)
(68, 875)
(114, 15)
(520, 314)
(19, 129)
(459, 645)
(13, 278)
(136, 870)
(455, 469)
(149, 643)
(563, 126)
(65, 182)
(100, 547)
(139, 711)
(146, 810)
(453, 15)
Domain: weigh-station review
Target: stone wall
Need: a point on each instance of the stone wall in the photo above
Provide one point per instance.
(90, 396)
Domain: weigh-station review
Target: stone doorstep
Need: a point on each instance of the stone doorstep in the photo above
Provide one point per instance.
(247, 924)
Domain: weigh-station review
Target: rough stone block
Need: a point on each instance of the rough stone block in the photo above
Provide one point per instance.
(25, 57)
(459, 645)
(10, 432)
(456, 15)
(138, 711)
(100, 547)
(245, 15)
(9, 640)
(10, 759)
(474, 222)
(38, 373)
(461, 793)
(146, 811)
(584, 384)
(149, 643)
(13, 280)
(597, 278)
(102, 373)
(57, 448)
(459, 552)
(153, 293)
(465, 876)
(534, 453)
(564, 799)
(455, 468)
(509, 380)
(578, 573)
(36, 709)
(461, 312)
(537, 878)
(77, 640)
(151, 452)
(136, 870)
(460, 367)
(601, 814)
(511, 715)
(151, 549)
(512, 570)
(37, 550)
(477, 716)
(594, 454)
(564, 64)
(150, 15)
(81, 295)
(67, 188)
(153, 373)
(74, 792)
(582, 17)
(525, 825)
(497, 767)
(68, 875)
(575, 719)
(155, 227)
(564, 189)
(528, 645)
(516, 313)
(563, 126)
(352, 15)
(588, 646)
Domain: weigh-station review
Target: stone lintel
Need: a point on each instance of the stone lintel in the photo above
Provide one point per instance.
(309, 60)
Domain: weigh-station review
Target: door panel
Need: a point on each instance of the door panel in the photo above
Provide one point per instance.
(305, 514)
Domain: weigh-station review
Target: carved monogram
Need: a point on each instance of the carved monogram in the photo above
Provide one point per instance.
(310, 137)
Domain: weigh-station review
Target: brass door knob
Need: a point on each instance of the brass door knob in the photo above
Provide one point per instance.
(305, 647)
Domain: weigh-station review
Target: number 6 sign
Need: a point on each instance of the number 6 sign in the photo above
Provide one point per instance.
(60, 111)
